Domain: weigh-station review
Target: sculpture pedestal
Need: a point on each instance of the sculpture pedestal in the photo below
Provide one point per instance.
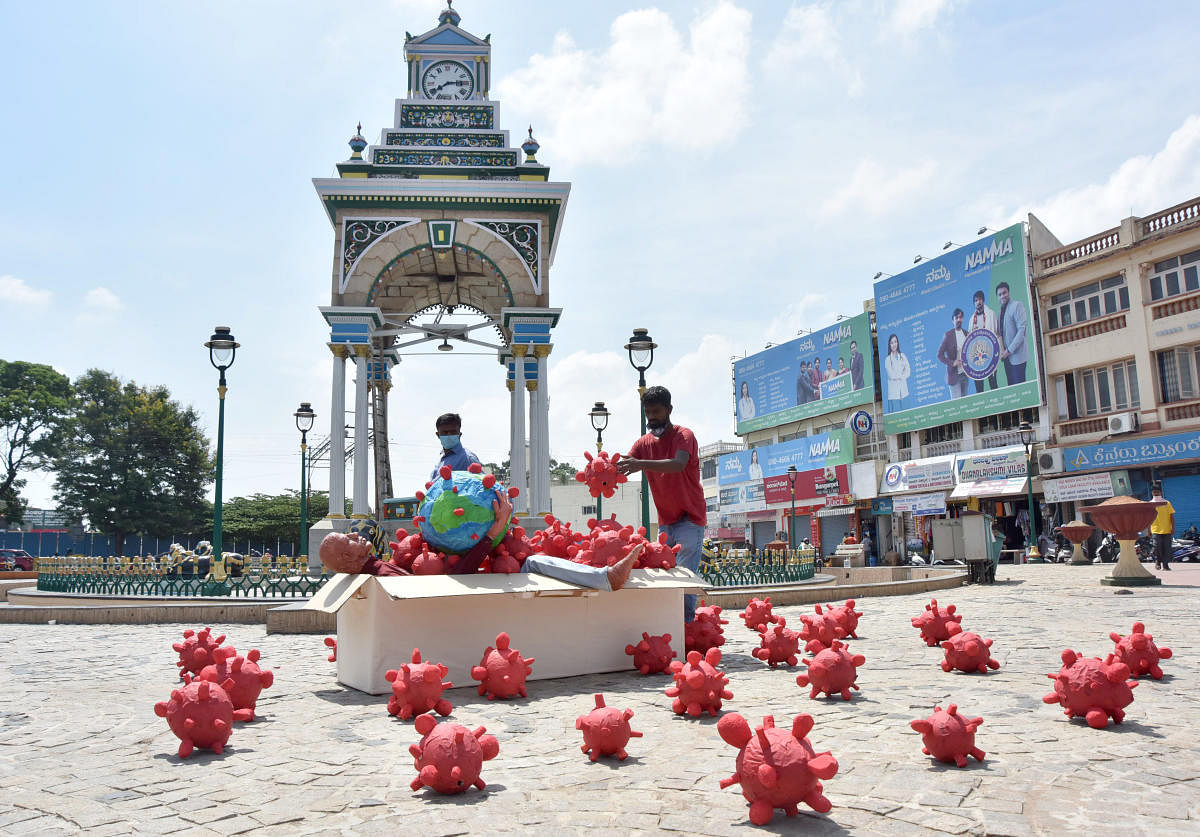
(1077, 532)
(1125, 517)
(1128, 571)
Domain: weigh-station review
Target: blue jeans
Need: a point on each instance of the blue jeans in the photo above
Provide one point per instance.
(689, 536)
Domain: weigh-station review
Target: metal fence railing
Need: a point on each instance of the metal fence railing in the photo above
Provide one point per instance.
(285, 577)
(64, 543)
(758, 568)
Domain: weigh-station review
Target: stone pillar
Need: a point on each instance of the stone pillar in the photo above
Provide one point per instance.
(361, 451)
(536, 503)
(337, 434)
(543, 437)
(516, 457)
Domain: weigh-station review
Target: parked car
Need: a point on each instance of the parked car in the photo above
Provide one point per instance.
(16, 560)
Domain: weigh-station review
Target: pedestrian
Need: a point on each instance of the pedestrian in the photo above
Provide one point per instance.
(670, 458)
(1163, 529)
(448, 429)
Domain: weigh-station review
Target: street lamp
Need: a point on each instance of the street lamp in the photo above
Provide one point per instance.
(304, 423)
(791, 475)
(222, 349)
(1026, 429)
(641, 354)
(599, 416)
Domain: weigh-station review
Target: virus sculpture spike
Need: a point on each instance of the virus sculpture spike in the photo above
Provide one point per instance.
(778, 644)
(832, 670)
(758, 613)
(653, 654)
(937, 625)
(968, 652)
(777, 768)
(606, 731)
(1092, 688)
(948, 736)
(1139, 652)
(247, 679)
(601, 475)
(200, 714)
(196, 650)
(331, 643)
(699, 684)
(502, 671)
(657, 555)
(417, 688)
(450, 757)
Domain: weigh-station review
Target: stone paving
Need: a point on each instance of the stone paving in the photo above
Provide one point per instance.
(81, 748)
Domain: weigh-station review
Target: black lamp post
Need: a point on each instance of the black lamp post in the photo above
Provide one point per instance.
(1026, 429)
(222, 349)
(304, 423)
(791, 475)
(599, 416)
(641, 354)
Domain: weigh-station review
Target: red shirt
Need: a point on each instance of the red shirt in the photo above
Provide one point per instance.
(674, 494)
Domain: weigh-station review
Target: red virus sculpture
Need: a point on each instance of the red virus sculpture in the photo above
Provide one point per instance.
(778, 644)
(502, 670)
(601, 475)
(450, 757)
(417, 688)
(699, 684)
(704, 631)
(657, 555)
(244, 673)
(557, 539)
(820, 626)
(610, 523)
(758, 613)
(968, 652)
(937, 625)
(331, 643)
(428, 563)
(846, 616)
(196, 650)
(948, 736)
(777, 768)
(653, 654)
(832, 670)
(1139, 652)
(606, 731)
(1092, 688)
(605, 547)
(200, 714)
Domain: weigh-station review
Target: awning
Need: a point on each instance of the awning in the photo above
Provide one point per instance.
(990, 488)
(836, 511)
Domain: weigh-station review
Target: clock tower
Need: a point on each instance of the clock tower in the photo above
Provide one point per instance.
(444, 236)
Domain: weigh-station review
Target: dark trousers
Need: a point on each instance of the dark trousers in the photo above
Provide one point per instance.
(1014, 372)
(991, 383)
(1162, 551)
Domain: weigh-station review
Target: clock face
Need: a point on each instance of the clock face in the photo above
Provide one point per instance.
(447, 80)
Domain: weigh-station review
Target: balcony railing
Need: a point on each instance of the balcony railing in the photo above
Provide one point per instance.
(1180, 214)
(1092, 328)
(1002, 439)
(1185, 410)
(1175, 305)
(1083, 427)
(1087, 247)
(941, 448)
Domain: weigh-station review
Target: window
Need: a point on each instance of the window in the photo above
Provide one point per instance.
(1179, 373)
(708, 468)
(1090, 302)
(943, 433)
(1175, 276)
(1007, 421)
(871, 446)
(587, 510)
(1096, 391)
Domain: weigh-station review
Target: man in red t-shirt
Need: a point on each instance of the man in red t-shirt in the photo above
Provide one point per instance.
(671, 459)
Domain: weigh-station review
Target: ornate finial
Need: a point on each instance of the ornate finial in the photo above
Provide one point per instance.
(357, 143)
(530, 147)
(448, 15)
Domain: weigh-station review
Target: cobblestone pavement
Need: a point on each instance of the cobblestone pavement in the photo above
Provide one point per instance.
(81, 749)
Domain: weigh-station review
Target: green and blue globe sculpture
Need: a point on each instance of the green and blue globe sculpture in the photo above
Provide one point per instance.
(456, 511)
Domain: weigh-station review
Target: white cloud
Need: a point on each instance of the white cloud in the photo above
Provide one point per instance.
(15, 291)
(102, 301)
(650, 87)
(875, 190)
(910, 16)
(809, 38)
(1141, 185)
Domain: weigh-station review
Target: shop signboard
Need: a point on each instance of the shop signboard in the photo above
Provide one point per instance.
(1141, 451)
(919, 505)
(881, 506)
(747, 497)
(821, 372)
(809, 484)
(918, 474)
(1001, 463)
(935, 372)
(1082, 487)
(818, 451)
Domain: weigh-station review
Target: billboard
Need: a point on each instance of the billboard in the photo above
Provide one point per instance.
(831, 481)
(827, 370)
(819, 450)
(956, 336)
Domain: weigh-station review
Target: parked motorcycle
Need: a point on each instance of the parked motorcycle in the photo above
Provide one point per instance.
(1108, 551)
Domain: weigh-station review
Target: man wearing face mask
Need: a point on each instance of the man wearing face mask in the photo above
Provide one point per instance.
(671, 459)
(449, 433)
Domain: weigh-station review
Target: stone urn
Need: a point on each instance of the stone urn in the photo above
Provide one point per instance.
(1077, 532)
(1125, 517)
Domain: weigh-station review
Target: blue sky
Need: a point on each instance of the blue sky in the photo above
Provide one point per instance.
(739, 170)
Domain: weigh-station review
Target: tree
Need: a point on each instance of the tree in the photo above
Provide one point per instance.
(34, 399)
(499, 471)
(132, 460)
(267, 517)
(562, 472)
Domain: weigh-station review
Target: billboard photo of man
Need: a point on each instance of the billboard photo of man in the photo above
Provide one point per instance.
(984, 318)
(1014, 352)
(856, 365)
(950, 353)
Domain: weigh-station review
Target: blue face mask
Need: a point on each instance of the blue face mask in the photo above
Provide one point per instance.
(448, 442)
